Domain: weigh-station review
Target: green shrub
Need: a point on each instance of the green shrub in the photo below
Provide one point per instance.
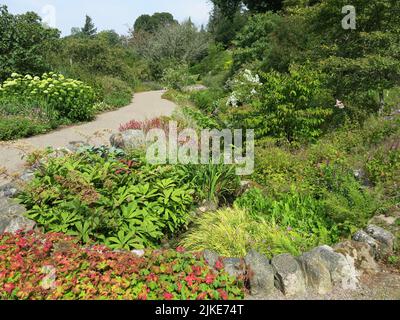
(19, 127)
(201, 120)
(70, 98)
(109, 198)
(233, 232)
(208, 100)
(303, 214)
(292, 107)
(178, 77)
(29, 261)
(383, 168)
(213, 182)
(114, 92)
(21, 118)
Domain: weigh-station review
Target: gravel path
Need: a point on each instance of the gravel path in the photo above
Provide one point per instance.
(145, 105)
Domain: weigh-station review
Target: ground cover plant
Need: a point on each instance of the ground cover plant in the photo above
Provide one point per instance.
(110, 198)
(53, 266)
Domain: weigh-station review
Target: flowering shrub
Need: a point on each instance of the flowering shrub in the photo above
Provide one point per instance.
(245, 87)
(53, 266)
(71, 99)
(146, 125)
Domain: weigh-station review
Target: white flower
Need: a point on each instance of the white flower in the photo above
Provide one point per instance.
(339, 104)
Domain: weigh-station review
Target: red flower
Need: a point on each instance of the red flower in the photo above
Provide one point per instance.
(168, 296)
(219, 265)
(180, 249)
(9, 287)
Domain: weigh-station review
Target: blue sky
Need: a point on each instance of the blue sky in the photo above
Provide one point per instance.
(109, 14)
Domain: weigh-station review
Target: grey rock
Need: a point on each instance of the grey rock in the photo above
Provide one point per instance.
(261, 274)
(289, 277)
(385, 238)
(360, 254)
(362, 236)
(130, 139)
(317, 275)
(234, 267)
(27, 176)
(210, 257)
(207, 206)
(74, 146)
(9, 190)
(342, 270)
(19, 223)
(12, 217)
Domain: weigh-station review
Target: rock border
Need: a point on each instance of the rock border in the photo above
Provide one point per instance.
(319, 270)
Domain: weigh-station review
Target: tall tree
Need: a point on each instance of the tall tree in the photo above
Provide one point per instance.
(24, 43)
(89, 29)
(151, 24)
(229, 7)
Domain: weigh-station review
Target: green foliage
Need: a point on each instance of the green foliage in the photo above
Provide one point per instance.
(233, 232)
(30, 263)
(173, 45)
(70, 99)
(208, 100)
(213, 182)
(290, 106)
(253, 43)
(116, 201)
(114, 92)
(224, 26)
(303, 214)
(24, 42)
(20, 127)
(88, 29)
(201, 120)
(178, 77)
(151, 24)
(383, 167)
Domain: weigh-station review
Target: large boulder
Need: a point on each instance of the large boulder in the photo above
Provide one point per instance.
(342, 270)
(316, 271)
(289, 277)
(260, 273)
(234, 266)
(360, 254)
(130, 139)
(210, 257)
(12, 217)
(362, 236)
(385, 238)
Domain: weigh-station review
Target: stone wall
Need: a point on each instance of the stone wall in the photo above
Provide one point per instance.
(318, 271)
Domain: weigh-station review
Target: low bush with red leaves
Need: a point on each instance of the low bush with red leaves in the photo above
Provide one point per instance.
(146, 125)
(54, 266)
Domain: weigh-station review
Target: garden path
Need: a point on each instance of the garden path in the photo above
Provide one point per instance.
(145, 105)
